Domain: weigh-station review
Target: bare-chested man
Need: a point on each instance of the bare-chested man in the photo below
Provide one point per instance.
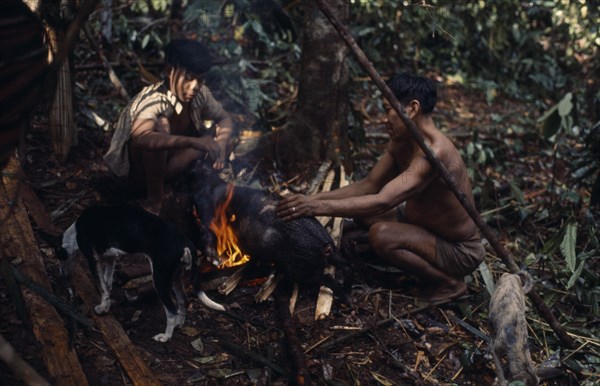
(161, 131)
(415, 221)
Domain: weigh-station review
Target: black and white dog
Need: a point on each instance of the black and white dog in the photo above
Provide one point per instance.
(103, 233)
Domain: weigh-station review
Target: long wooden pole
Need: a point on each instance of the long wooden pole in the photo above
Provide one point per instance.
(537, 301)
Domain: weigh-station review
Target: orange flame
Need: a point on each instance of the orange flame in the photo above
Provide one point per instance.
(227, 244)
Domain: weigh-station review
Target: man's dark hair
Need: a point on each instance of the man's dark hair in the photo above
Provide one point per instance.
(188, 54)
(407, 87)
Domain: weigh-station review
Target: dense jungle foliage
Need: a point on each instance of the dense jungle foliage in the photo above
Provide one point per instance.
(535, 161)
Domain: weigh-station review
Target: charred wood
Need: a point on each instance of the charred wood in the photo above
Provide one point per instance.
(267, 288)
(295, 351)
(232, 282)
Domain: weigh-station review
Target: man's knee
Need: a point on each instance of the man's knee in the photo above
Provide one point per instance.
(379, 237)
(180, 160)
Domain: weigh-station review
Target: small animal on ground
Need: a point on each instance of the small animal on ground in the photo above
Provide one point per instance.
(509, 330)
(105, 233)
(299, 249)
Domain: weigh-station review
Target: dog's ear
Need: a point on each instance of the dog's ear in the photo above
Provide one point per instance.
(55, 242)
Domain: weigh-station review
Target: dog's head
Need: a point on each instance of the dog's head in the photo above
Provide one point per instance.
(65, 248)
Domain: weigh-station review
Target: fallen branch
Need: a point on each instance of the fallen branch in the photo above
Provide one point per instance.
(537, 301)
(294, 347)
(236, 348)
(51, 298)
(471, 329)
(17, 239)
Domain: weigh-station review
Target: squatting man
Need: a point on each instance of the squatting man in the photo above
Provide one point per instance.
(414, 221)
(160, 132)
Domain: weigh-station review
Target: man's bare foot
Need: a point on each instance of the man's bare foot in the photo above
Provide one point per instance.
(444, 292)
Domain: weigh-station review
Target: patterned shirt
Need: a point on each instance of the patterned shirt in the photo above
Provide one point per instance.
(151, 103)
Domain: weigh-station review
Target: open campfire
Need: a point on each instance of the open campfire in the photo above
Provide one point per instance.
(229, 252)
(238, 227)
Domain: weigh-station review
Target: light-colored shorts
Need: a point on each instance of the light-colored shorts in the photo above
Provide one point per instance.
(458, 259)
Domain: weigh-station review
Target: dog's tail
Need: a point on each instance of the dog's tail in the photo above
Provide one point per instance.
(189, 263)
(204, 299)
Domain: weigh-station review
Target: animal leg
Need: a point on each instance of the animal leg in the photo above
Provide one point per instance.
(497, 351)
(105, 271)
(171, 322)
(163, 290)
(181, 302)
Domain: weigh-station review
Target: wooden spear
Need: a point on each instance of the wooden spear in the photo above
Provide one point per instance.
(537, 301)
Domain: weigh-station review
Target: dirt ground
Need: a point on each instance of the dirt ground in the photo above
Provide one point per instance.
(401, 347)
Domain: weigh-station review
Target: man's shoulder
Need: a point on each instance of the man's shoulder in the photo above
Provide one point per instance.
(151, 97)
(156, 89)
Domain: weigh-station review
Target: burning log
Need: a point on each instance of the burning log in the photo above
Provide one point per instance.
(232, 282)
(238, 225)
(267, 288)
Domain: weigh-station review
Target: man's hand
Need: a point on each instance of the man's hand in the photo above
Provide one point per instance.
(208, 145)
(222, 155)
(296, 205)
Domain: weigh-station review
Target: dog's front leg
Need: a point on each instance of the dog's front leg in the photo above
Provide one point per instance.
(171, 324)
(106, 268)
(181, 301)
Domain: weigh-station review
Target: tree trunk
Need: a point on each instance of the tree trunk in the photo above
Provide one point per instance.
(176, 20)
(318, 129)
(56, 18)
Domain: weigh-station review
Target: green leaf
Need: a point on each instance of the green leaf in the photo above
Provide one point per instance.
(553, 243)
(575, 275)
(487, 277)
(565, 105)
(517, 193)
(557, 116)
(552, 123)
(566, 122)
(145, 41)
(470, 149)
(381, 379)
(567, 246)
